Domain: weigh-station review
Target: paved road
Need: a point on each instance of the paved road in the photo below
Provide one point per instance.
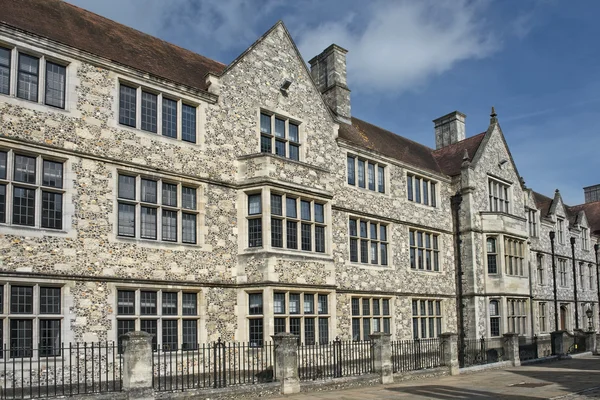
(558, 379)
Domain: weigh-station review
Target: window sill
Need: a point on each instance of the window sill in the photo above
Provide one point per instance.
(37, 105)
(282, 252)
(156, 243)
(366, 190)
(13, 227)
(276, 157)
(425, 206)
(425, 271)
(166, 139)
(377, 267)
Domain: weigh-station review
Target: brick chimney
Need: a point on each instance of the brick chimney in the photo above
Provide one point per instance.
(592, 193)
(449, 129)
(328, 70)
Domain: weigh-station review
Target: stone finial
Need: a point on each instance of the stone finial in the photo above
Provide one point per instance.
(493, 116)
(466, 161)
(522, 180)
(557, 191)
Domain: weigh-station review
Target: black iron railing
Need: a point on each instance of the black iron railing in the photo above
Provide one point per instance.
(412, 355)
(528, 348)
(60, 370)
(334, 359)
(482, 351)
(578, 344)
(213, 365)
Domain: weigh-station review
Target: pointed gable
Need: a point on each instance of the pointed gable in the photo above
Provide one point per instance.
(450, 158)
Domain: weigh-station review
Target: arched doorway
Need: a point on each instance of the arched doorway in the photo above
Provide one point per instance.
(563, 317)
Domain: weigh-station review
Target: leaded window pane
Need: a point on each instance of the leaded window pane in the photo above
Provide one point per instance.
(371, 174)
(127, 187)
(354, 250)
(149, 226)
(148, 303)
(169, 226)
(309, 304)
(188, 197)
(276, 232)
(4, 70)
(149, 191)
(294, 303)
(55, 84)
(52, 174)
(149, 113)
(292, 234)
(294, 152)
(351, 172)
(126, 220)
(190, 304)
(256, 332)
(309, 330)
(2, 203)
(127, 100)
(169, 303)
(51, 210)
(306, 237)
(279, 128)
(189, 228)
(21, 300)
(320, 239)
(265, 123)
(23, 206)
(124, 326)
(169, 335)
(254, 204)
(188, 123)
(279, 325)
(290, 207)
(190, 335)
(380, 179)
(293, 132)
(255, 303)
(361, 173)
(125, 302)
(280, 148)
(305, 210)
(169, 118)
(49, 300)
(3, 160)
(276, 204)
(319, 213)
(323, 305)
(266, 144)
(49, 337)
(150, 326)
(24, 169)
(169, 194)
(27, 83)
(279, 303)
(21, 338)
(255, 232)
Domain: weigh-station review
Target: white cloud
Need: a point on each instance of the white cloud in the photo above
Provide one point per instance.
(399, 45)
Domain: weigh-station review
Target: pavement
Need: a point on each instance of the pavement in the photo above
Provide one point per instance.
(571, 379)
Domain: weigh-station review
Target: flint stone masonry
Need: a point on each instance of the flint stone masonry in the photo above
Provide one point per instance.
(137, 365)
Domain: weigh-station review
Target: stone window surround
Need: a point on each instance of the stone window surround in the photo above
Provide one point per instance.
(419, 317)
(200, 316)
(498, 315)
(533, 222)
(287, 118)
(387, 242)
(144, 85)
(501, 255)
(440, 251)
(543, 316)
(265, 192)
(302, 315)
(591, 278)
(67, 190)
(361, 316)
(200, 211)
(562, 271)
(43, 58)
(585, 238)
(433, 199)
(368, 160)
(517, 315)
(5, 314)
(560, 230)
(541, 269)
(505, 198)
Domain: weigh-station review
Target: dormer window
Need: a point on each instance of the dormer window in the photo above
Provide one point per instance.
(560, 230)
(532, 221)
(585, 241)
(499, 196)
(279, 136)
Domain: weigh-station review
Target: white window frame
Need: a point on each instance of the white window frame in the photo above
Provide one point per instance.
(415, 184)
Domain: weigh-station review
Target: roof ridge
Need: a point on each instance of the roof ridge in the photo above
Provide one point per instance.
(461, 142)
(137, 30)
(393, 133)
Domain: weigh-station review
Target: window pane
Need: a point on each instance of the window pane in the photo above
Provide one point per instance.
(55, 84)
(384, 256)
(188, 197)
(305, 210)
(279, 128)
(255, 302)
(2, 203)
(354, 250)
(169, 335)
(266, 144)
(52, 174)
(254, 205)
(49, 300)
(293, 133)
(371, 170)
(409, 187)
(323, 330)
(148, 229)
(124, 326)
(190, 335)
(190, 304)
(49, 337)
(27, 84)
(149, 191)
(355, 329)
(425, 192)
(320, 239)
(24, 169)
(51, 210)
(361, 173)
(363, 229)
(21, 338)
(188, 123)
(21, 300)
(169, 117)
(127, 100)
(169, 226)
(433, 195)
(351, 172)
(309, 330)
(276, 232)
(364, 251)
(294, 303)
(169, 303)
(256, 332)
(306, 237)
(23, 206)
(319, 213)
(189, 228)
(148, 303)
(290, 205)
(169, 194)
(366, 307)
(280, 148)
(373, 230)
(276, 205)
(126, 220)
(279, 303)
(3, 160)
(309, 304)
(125, 302)
(265, 123)
(352, 225)
(255, 232)
(294, 152)
(127, 187)
(292, 234)
(380, 179)
(323, 306)
(150, 326)
(4, 70)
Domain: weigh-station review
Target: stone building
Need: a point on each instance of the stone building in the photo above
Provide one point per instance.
(143, 186)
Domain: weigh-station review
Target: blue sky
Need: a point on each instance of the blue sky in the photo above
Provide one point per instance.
(536, 61)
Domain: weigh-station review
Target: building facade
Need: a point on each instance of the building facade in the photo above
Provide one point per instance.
(146, 187)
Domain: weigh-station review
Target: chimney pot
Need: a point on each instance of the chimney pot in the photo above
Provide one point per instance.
(449, 129)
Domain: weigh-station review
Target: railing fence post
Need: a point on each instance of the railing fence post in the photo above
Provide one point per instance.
(449, 341)
(137, 365)
(286, 362)
(382, 356)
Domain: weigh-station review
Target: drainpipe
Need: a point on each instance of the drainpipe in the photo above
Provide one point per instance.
(552, 236)
(455, 201)
(531, 292)
(575, 284)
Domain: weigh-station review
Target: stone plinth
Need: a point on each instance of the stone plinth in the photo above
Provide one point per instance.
(511, 348)
(382, 356)
(286, 362)
(450, 351)
(137, 365)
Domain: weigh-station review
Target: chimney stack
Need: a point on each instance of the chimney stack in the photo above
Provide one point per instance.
(449, 129)
(592, 193)
(328, 70)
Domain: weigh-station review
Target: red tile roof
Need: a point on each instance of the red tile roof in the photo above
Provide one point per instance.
(84, 30)
(389, 144)
(592, 212)
(450, 157)
(543, 203)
